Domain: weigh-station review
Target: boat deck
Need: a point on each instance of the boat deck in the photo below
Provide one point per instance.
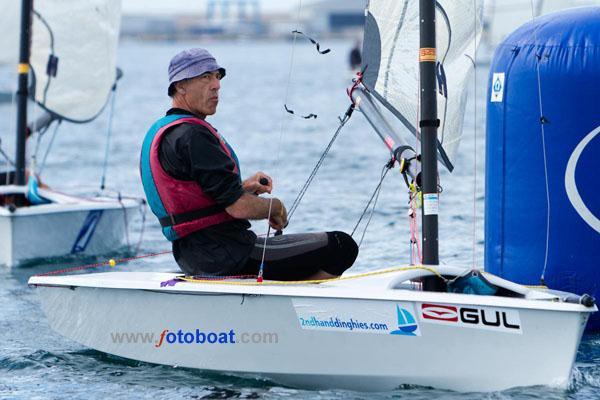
(374, 285)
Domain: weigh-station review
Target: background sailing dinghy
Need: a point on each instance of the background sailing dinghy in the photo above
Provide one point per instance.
(72, 74)
(430, 325)
(9, 48)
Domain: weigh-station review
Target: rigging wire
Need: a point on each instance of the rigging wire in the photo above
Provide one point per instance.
(356, 82)
(543, 121)
(475, 135)
(40, 133)
(43, 164)
(143, 227)
(313, 173)
(278, 158)
(374, 197)
(108, 136)
(32, 130)
(12, 128)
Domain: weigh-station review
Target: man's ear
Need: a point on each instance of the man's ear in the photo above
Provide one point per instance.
(180, 87)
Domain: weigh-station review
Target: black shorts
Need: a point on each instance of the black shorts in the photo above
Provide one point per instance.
(298, 256)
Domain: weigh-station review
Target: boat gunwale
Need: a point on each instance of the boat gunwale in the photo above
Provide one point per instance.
(62, 203)
(336, 291)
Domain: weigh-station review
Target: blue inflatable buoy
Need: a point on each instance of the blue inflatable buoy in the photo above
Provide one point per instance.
(543, 155)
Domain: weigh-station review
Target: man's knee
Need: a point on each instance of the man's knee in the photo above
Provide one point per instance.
(343, 251)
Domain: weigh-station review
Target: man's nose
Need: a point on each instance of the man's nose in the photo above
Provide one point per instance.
(216, 83)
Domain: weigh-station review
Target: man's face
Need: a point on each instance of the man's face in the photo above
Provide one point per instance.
(202, 93)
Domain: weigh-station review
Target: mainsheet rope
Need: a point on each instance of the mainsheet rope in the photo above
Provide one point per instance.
(111, 263)
(278, 158)
(291, 211)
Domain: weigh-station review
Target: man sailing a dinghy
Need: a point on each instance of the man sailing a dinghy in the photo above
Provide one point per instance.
(192, 180)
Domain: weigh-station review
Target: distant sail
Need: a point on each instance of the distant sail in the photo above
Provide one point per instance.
(502, 17)
(74, 54)
(9, 32)
(391, 58)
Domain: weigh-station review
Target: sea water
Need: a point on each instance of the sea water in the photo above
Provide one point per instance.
(36, 362)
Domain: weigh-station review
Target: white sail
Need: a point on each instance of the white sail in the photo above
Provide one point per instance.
(73, 55)
(391, 58)
(9, 31)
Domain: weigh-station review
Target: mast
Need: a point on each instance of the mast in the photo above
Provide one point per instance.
(428, 124)
(23, 70)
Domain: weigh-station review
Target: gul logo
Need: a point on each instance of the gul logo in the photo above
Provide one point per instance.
(494, 318)
(439, 313)
(472, 317)
(407, 325)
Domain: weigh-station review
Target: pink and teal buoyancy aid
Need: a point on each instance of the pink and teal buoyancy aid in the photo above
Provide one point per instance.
(180, 206)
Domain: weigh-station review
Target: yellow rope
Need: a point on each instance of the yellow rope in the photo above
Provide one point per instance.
(313, 281)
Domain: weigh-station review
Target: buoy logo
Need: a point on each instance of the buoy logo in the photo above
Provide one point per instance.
(497, 87)
(407, 325)
(571, 186)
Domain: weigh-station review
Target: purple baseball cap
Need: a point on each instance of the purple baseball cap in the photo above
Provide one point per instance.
(192, 63)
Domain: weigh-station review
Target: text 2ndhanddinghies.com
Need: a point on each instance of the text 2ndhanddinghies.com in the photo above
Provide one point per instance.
(197, 337)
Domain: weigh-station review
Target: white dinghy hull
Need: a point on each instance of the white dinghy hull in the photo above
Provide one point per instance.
(67, 226)
(296, 335)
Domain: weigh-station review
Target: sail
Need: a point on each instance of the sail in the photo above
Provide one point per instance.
(391, 59)
(9, 31)
(74, 54)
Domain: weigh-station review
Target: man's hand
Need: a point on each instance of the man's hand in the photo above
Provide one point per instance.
(254, 185)
(278, 219)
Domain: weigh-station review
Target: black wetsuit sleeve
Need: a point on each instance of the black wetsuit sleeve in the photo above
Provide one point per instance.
(191, 152)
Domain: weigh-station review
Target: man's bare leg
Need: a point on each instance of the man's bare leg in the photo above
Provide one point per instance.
(321, 275)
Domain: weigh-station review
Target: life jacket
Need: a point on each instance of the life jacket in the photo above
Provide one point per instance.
(180, 206)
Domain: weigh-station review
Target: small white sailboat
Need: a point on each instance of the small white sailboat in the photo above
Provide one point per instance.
(346, 333)
(417, 324)
(72, 72)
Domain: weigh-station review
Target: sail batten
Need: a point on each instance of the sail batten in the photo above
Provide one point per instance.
(391, 59)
